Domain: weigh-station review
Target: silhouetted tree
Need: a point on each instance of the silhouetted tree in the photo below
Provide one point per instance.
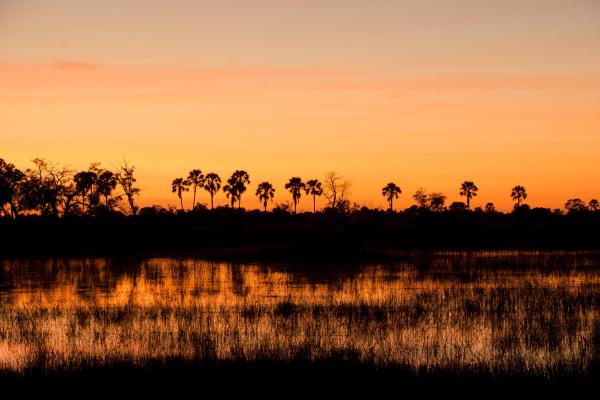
(295, 186)
(106, 183)
(575, 205)
(47, 186)
(231, 193)
(212, 184)
(391, 191)
(196, 180)
(420, 197)
(336, 190)
(314, 188)
(236, 186)
(468, 190)
(179, 185)
(69, 194)
(10, 181)
(126, 179)
(436, 202)
(594, 205)
(490, 208)
(265, 192)
(84, 183)
(518, 194)
(458, 206)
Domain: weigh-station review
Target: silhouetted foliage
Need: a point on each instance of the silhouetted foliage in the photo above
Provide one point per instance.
(236, 186)
(265, 193)
(295, 186)
(212, 184)
(420, 197)
(391, 191)
(336, 190)
(126, 179)
(575, 205)
(81, 210)
(458, 206)
(180, 185)
(314, 188)
(518, 194)
(436, 202)
(468, 190)
(196, 180)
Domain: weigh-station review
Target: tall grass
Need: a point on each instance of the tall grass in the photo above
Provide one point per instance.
(495, 314)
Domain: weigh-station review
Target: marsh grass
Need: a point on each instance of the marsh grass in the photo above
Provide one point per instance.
(489, 315)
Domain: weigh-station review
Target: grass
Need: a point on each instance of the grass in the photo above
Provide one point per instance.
(479, 317)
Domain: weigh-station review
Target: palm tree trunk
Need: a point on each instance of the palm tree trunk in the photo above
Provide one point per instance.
(314, 204)
(212, 206)
(194, 200)
(265, 204)
(181, 200)
(392, 204)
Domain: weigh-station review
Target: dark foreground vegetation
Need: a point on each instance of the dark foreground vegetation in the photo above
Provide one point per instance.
(226, 232)
(508, 319)
(52, 210)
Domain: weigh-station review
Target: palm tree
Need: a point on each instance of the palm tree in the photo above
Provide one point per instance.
(295, 186)
(212, 184)
(236, 185)
(518, 194)
(391, 192)
(84, 182)
(196, 179)
(314, 188)
(230, 193)
(265, 192)
(469, 190)
(179, 186)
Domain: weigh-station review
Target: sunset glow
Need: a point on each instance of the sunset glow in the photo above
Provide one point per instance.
(425, 94)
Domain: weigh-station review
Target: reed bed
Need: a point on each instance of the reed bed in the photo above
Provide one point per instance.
(495, 314)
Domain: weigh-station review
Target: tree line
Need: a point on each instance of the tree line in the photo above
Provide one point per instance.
(49, 189)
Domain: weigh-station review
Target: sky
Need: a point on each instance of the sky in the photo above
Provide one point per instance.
(422, 93)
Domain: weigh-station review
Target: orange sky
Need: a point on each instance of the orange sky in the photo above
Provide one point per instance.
(425, 94)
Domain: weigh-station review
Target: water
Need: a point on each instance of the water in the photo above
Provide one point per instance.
(497, 313)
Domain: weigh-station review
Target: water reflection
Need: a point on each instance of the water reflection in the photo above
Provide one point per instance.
(533, 313)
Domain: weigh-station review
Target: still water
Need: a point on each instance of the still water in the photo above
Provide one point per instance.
(527, 313)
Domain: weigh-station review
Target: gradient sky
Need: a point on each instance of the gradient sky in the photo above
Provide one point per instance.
(423, 93)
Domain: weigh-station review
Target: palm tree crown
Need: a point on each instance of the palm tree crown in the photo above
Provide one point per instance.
(469, 190)
(295, 186)
(391, 191)
(265, 192)
(196, 179)
(314, 188)
(212, 184)
(236, 185)
(179, 185)
(518, 194)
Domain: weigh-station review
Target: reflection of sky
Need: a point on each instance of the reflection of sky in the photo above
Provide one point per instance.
(448, 311)
(427, 93)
